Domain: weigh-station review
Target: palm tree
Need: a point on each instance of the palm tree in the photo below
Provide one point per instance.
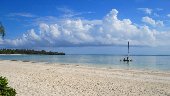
(2, 30)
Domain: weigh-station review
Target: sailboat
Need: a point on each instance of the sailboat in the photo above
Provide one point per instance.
(127, 58)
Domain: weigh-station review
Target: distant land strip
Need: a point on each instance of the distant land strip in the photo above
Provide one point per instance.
(28, 51)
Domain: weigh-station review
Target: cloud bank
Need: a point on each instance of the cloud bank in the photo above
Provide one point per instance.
(108, 31)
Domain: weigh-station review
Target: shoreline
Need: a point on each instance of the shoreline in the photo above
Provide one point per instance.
(37, 78)
(87, 66)
(91, 66)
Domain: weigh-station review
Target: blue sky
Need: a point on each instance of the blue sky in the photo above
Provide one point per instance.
(87, 26)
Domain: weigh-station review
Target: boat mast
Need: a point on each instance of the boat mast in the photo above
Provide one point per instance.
(128, 49)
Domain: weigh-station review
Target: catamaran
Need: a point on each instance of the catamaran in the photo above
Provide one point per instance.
(127, 58)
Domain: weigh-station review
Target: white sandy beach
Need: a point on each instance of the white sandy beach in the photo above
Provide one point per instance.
(40, 79)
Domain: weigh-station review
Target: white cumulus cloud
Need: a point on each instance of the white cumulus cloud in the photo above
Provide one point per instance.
(82, 32)
(152, 22)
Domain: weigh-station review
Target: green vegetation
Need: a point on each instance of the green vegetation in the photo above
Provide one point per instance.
(27, 51)
(2, 30)
(5, 90)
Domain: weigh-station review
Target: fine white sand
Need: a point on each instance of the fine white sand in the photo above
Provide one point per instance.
(40, 79)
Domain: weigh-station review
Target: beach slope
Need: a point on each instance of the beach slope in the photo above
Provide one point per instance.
(40, 79)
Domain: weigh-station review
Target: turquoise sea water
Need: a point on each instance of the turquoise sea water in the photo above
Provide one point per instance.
(105, 61)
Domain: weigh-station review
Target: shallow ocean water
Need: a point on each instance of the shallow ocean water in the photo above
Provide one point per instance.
(154, 62)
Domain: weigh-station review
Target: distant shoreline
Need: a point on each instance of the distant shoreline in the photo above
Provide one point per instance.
(29, 51)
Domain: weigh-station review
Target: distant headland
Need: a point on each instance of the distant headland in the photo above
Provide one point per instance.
(28, 51)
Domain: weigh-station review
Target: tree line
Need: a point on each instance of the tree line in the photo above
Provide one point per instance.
(28, 51)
